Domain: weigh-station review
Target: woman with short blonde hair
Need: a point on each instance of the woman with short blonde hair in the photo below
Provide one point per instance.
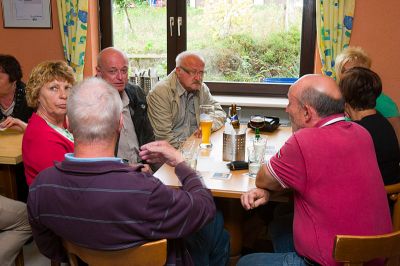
(357, 57)
(46, 138)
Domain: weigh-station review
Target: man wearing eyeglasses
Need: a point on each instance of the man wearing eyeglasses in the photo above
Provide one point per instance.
(113, 67)
(174, 102)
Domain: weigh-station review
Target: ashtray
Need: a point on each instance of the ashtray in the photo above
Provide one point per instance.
(271, 123)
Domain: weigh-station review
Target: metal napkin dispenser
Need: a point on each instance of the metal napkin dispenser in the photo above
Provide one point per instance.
(234, 147)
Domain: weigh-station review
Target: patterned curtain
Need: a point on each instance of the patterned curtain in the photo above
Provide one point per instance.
(72, 16)
(334, 25)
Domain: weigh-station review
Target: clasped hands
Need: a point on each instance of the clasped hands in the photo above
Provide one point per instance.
(254, 198)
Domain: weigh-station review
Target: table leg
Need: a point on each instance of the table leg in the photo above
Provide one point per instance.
(233, 213)
(7, 181)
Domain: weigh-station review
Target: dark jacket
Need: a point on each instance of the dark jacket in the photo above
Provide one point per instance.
(21, 109)
(138, 109)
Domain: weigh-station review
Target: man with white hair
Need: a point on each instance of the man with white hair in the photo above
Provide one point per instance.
(95, 200)
(174, 102)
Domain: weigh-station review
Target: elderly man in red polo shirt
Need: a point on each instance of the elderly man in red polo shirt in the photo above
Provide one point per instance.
(331, 166)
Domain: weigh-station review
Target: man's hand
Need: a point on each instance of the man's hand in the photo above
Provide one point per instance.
(160, 152)
(144, 168)
(197, 133)
(254, 198)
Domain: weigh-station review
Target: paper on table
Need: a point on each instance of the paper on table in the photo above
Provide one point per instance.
(206, 164)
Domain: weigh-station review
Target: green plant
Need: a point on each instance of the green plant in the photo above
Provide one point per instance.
(251, 45)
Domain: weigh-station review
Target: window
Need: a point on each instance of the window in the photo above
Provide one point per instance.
(244, 41)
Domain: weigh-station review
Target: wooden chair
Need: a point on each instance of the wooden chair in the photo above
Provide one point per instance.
(355, 250)
(149, 254)
(19, 260)
(393, 192)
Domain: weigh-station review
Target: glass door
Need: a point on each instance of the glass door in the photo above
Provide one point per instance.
(139, 29)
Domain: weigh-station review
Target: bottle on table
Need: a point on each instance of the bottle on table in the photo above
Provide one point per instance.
(233, 116)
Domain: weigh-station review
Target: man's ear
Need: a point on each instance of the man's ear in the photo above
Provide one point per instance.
(98, 71)
(121, 123)
(308, 112)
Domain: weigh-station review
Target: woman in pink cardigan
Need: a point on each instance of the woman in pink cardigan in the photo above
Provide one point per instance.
(46, 138)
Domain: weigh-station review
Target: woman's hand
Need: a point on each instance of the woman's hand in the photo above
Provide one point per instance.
(14, 123)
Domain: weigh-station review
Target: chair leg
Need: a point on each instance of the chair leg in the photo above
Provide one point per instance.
(19, 260)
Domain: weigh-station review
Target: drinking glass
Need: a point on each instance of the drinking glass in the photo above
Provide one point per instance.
(206, 121)
(257, 122)
(255, 160)
(189, 152)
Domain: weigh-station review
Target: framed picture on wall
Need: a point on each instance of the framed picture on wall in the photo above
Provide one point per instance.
(26, 13)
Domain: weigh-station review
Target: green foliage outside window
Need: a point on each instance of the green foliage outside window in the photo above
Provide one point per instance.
(242, 50)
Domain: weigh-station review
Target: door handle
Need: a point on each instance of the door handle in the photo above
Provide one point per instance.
(171, 25)
(179, 25)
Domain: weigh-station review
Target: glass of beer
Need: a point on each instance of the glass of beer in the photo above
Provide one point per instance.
(206, 121)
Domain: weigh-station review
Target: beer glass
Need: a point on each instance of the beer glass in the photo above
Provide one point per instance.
(206, 121)
(257, 122)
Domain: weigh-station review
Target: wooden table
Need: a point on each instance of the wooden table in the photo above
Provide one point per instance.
(10, 156)
(227, 192)
(239, 182)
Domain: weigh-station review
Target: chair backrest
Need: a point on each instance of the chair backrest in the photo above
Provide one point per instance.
(149, 254)
(356, 250)
(393, 192)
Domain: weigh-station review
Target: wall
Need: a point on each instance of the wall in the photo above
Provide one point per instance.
(376, 30)
(32, 46)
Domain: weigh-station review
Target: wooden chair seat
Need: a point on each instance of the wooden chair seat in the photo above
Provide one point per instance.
(149, 254)
(393, 192)
(356, 250)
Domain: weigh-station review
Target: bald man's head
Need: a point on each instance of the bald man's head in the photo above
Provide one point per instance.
(320, 92)
(312, 98)
(113, 67)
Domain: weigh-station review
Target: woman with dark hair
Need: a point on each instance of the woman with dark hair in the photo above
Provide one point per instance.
(14, 112)
(360, 88)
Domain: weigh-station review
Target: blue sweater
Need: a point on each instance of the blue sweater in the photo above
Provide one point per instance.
(111, 206)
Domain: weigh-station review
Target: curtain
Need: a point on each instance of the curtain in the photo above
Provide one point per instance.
(72, 16)
(334, 25)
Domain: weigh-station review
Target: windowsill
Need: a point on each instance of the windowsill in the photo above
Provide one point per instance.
(248, 101)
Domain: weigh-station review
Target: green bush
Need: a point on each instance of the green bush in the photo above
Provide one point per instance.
(248, 59)
(249, 53)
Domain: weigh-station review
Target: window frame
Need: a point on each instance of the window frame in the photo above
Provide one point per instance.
(307, 53)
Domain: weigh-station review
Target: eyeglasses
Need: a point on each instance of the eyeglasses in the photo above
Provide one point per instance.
(193, 73)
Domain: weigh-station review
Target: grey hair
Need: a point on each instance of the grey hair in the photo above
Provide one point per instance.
(185, 54)
(321, 102)
(94, 110)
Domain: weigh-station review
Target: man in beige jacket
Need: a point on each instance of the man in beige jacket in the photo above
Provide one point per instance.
(173, 104)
